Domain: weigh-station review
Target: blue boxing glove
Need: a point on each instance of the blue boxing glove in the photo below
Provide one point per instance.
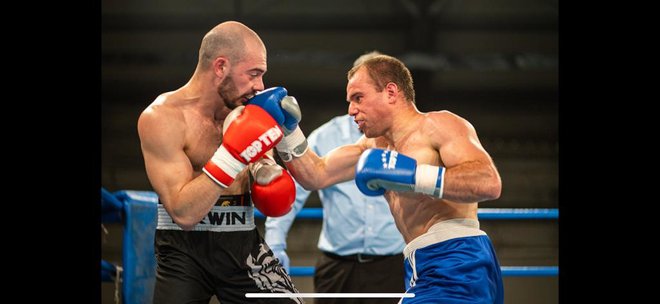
(278, 251)
(286, 111)
(269, 100)
(379, 170)
(283, 108)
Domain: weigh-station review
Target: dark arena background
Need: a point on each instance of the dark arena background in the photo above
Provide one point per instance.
(494, 63)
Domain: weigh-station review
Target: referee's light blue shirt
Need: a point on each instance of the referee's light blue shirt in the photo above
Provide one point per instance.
(352, 222)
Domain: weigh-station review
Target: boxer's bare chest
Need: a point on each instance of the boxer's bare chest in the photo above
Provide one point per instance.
(203, 137)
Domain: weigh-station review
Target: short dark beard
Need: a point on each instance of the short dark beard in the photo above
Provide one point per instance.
(226, 90)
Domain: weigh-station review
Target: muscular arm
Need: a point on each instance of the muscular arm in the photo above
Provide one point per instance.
(186, 196)
(470, 174)
(314, 172)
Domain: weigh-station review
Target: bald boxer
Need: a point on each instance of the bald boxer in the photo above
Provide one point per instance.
(200, 146)
(430, 167)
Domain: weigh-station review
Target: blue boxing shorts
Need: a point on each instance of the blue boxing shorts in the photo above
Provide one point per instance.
(454, 262)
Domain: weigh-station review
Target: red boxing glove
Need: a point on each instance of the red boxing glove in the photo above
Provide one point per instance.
(249, 132)
(273, 191)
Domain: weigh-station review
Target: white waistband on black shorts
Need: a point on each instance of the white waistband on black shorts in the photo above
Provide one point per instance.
(219, 219)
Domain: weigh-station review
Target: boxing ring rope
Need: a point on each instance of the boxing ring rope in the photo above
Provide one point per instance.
(482, 213)
(137, 210)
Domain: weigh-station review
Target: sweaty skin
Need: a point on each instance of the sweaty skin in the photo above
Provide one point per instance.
(437, 138)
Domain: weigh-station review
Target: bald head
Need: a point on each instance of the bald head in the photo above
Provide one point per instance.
(230, 39)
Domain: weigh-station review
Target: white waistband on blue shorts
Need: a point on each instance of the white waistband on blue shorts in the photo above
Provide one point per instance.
(219, 219)
(442, 231)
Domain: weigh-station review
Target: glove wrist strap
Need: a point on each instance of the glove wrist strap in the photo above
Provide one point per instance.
(293, 145)
(430, 180)
(223, 167)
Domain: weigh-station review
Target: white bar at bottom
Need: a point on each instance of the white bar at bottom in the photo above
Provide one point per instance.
(329, 295)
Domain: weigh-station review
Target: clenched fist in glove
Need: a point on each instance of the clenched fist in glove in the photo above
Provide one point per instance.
(286, 111)
(249, 132)
(378, 170)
